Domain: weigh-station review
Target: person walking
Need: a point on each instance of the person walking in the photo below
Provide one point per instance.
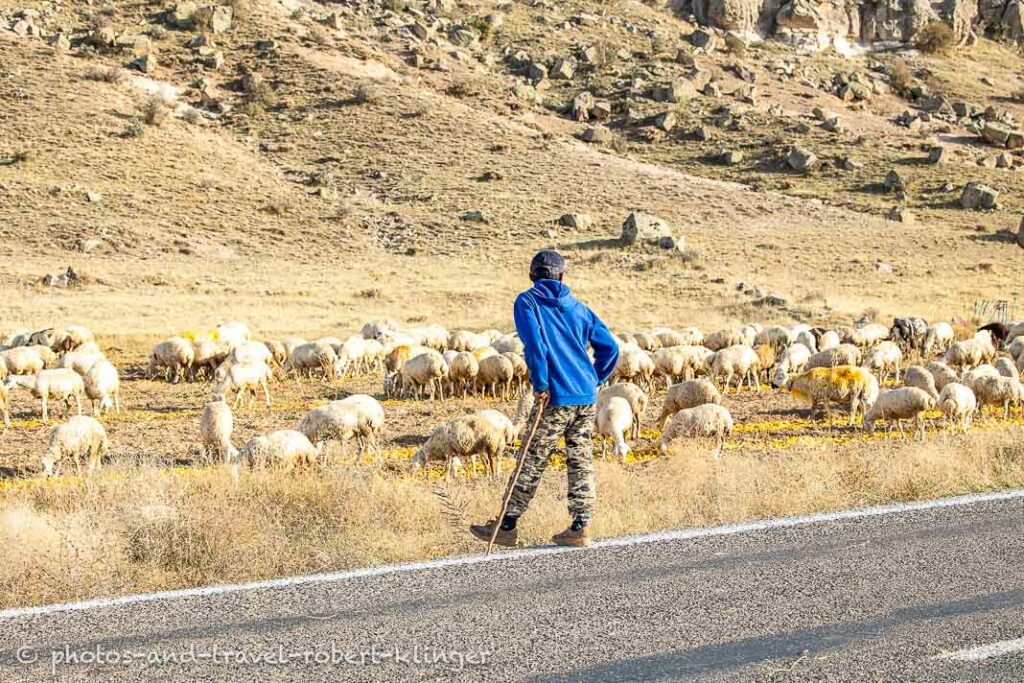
(556, 331)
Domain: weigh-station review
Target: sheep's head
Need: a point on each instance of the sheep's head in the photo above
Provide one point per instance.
(47, 462)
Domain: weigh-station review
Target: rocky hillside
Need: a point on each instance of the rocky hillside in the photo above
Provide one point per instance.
(390, 129)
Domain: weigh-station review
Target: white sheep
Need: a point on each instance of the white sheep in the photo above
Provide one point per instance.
(175, 356)
(22, 360)
(685, 395)
(614, 417)
(738, 361)
(495, 374)
(716, 341)
(958, 405)
(942, 373)
(1006, 367)
(938, 338)
(833, 357)
(80, 437)
(919, 376)
(59, 384)
(306, 358)
(463, 437)
(633, 365)
(681, 362)
(464, 340)
(634, 395)
(215, 428)
(520, 372)
(48, 355)
(972, 376)
(79, 361)
(905, 403)
(884, 359)
(969, 353)
(998, 391)
(285, 448)
(793, 361)
(247, 379)
(233, 334)
(103, 388)
(207, 356)
(426, 371)
(358, 416)
(775, 336)
(463, 368)
(704, 421)
(501, 423)
(829, 339)
(869, 335)
(509, 343)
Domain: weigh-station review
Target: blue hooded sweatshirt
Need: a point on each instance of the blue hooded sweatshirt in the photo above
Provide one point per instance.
(556, 329)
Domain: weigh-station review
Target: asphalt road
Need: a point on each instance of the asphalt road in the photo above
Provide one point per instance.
(870, 599)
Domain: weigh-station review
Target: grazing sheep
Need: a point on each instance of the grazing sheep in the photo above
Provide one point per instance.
(738, 361)
(80, 437)
(484, 352)
(964, 355)
(633, 394)
(284, 448)
(500, 422)
(937, 339)
(704, 421)
(306, 358)
(884, 359)
(919, 376)
(998, 391)
(22, 360)
(614, 417)
(998, 332)
(669, 337)
(794, 361)
(1016, 330)
(958, 405)
(373, 329)
(716, 341)
(207, 356)
(369, 420)
(750, 332)
(5, 406)
(646, 341)
(685, 395)
(905, 403)
(807, 339)
(352, 355)
(1016, 348)
(509, 343)
(462, 371)
(175, 356)
(869, 335)
(68, 337)
(693, 359)
(633, 365)
(1006, 367)
(495, 375)
(776, 336)
(358, 416)
(972, 376)
(520, 373)
(942, 373)
(767, 356)
(278, 353)
(844, 354)
(49, 357)
(246, 380)
(829, 339)
(59, 384)
(463, 437)
(233, 334)
(908, 333)
(215, 427)
(464, 340)
(103, 388)
(79, 361)
(428, 370)
(842, 384)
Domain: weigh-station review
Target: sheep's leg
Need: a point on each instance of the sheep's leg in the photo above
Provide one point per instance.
(899, 425)
(46, 412)
(720, 442)
(78, 403)
(920, 426)
(854, 406)
(266, 390)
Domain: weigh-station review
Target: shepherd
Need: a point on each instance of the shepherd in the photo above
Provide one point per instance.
(556, 331)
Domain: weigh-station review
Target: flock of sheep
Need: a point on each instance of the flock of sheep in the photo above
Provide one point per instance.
(821, 367)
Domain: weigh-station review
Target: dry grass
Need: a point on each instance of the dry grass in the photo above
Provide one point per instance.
(142, 528)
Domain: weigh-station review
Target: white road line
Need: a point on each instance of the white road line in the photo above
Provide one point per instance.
(681, 534)
(987, 651)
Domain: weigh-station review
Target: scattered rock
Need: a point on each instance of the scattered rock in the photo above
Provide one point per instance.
(182, 15)
(1020, 234)
(68, 278)
(893, 182)
(882, 267)
(596, 134)
(672, 242)
(801, 160)
(94, 197)
(731, 157)
(666, 121)
(474, 216)
(899, 214)
(1004, 160)
(146, 64)
(564, 69)
(977, 196)
(850, 164)
(641, 226)
(772, 301)
(576, 221)
(937, 155)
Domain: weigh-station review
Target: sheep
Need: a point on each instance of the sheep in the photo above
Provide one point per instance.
(646, 341)
(48, 355)
(290, 344)
(103, 388)
(306, 358)
(373, 355)
(972, 376)
(79, 361)
(233, 334)
(807, 339)
(833, 357)
(496, 373)
(369, 420)
(5, 406)
(938, 338)
(750, 332)
(207, 356)
(284, 448)
(669, 337)
(633, 394)
(69, 337)
(884, 358)
(1006, 367)
(942, 373)
(1016, 330)
(829, 339)
(175, 355)
(908, 333)
(793, 361)
(15, 338)
(958, 405)
(1016, 348)
(740, 361)
(215, 427)
(429, 370)
(716, 341)
(964, 355)
(58, 384)
(919, 376)
(462, 371)
(80, 437)
(278, 353)
(464, 340)
(766, 359)
(246, 379)
(22, 360)
(633, 365)
(463, 437)
(520, 372)
(775, 336)
(509, 343)
(905, 403)
(359, 416)
(841, 384)
(869, 335)
(692, 336)
(685, 395)
(500, 422)
(998, 391)
(614, 417)
(709, 420)
(373, 329)
(352, 354)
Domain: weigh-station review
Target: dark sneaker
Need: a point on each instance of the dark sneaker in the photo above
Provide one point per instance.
(509, 539)
(576, 539)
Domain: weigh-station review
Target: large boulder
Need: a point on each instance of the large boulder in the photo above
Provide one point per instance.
(979, 197)
(644, 227)
(801, 160)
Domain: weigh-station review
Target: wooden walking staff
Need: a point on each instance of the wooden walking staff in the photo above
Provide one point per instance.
(538, 411)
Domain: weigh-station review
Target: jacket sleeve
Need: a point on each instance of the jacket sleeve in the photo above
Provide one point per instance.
(606, 351)
(534, 347)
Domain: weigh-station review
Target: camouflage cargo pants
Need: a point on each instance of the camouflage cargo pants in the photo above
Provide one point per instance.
(576, 424)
